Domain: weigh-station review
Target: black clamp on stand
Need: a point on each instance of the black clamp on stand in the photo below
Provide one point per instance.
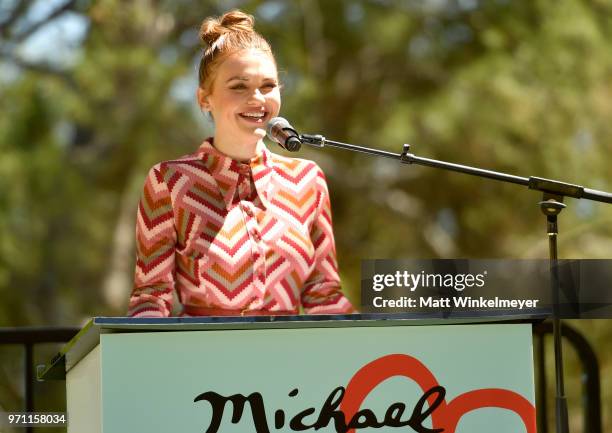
(551, 205)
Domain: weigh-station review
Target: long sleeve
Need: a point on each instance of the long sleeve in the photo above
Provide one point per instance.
(155, 246)
(321, 293)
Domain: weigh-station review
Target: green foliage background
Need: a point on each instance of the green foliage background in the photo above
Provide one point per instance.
(523, 87)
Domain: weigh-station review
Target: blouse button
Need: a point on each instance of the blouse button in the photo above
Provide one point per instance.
(256, 236)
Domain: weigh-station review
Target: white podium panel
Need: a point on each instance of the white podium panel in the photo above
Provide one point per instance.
(287, 376)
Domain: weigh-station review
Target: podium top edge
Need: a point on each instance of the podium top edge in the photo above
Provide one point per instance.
(317, 320)
(89, 336)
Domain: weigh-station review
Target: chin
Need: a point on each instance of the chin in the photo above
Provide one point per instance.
(251, 136)
(259, 133)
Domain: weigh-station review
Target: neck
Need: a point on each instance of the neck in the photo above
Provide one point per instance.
(243, 152)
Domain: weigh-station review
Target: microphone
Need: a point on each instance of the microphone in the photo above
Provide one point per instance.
(280, 131)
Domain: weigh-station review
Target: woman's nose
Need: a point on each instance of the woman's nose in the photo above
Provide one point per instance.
(257, 97)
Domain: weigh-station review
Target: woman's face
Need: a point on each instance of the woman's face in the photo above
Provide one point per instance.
(244, 96)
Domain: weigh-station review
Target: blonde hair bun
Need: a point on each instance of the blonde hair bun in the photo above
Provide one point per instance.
(233, 21)
(224, 35)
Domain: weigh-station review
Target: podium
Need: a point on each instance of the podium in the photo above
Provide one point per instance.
(264, 374)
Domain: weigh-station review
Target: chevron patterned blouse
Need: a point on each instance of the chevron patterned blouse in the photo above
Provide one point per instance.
(227, 235)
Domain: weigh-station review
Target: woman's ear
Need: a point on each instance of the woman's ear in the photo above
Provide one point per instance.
(202, 96)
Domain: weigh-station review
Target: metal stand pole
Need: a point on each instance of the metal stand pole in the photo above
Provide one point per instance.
(551, 206)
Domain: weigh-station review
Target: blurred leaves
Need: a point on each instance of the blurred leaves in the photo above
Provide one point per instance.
(521, 87)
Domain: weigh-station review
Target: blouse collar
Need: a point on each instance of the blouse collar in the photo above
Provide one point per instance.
(226, 171)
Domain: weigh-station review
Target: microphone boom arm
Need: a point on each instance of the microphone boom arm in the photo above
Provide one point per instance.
(549, 186)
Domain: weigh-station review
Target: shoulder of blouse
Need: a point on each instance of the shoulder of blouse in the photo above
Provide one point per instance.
(281, 162)
(163, 166)
(185, 159)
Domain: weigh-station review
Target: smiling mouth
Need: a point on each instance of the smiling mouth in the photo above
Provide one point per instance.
(255, 117)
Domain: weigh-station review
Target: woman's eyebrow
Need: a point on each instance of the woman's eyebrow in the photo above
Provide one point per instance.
(238, 77)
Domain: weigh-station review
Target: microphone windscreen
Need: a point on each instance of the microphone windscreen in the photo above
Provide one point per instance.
(276, 122)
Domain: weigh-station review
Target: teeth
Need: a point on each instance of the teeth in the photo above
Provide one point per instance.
(258, 115)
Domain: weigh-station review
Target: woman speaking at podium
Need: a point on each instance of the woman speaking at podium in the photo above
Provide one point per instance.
(234, 228)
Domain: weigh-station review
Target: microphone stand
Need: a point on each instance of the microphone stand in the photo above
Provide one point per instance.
(551, 205)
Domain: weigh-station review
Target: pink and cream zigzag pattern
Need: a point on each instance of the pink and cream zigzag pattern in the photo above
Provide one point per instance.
(236, 236)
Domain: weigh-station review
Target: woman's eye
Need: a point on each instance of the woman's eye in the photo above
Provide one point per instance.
(269, 87)
(238, 87)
